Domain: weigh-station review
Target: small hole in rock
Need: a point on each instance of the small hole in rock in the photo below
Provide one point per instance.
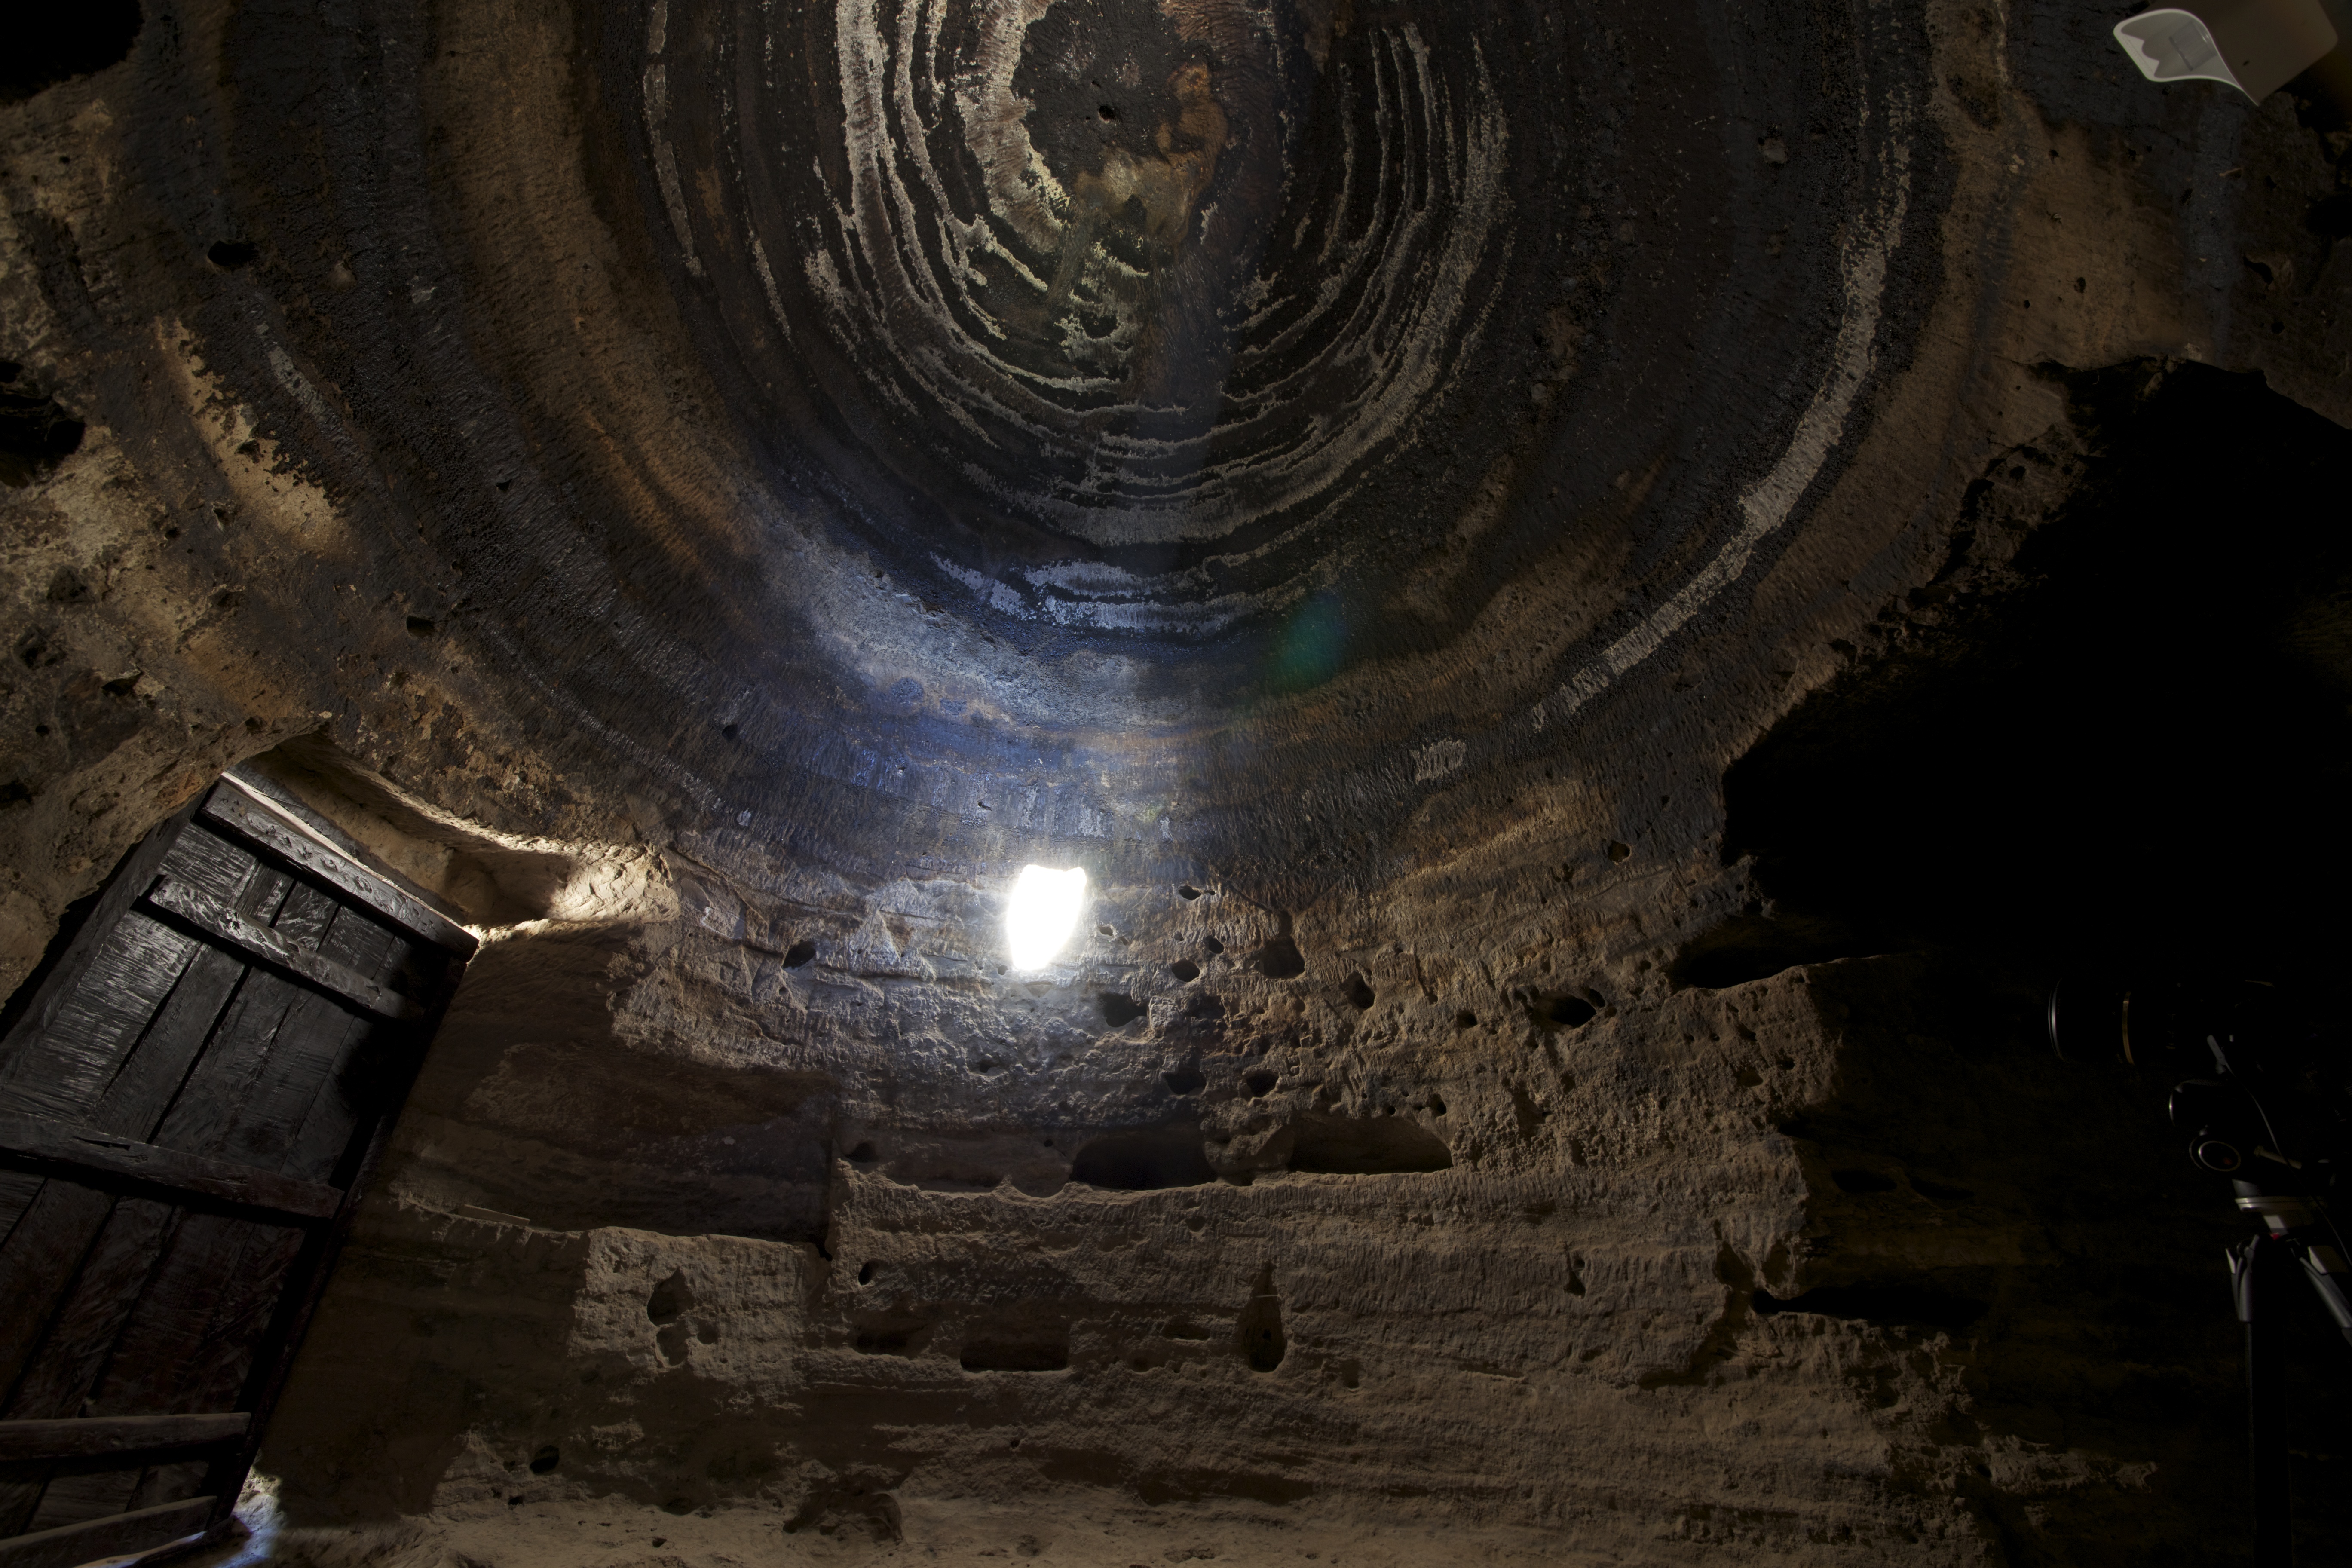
(1188, 892)
(1186, 1080)
(1118, 1010)
(1281, 960)
(1213, 944)
(1044, 1352)
(419, 626)
(1621, 853)
(1562, 1012)
(729, 730)
(669, 1298)
(228, 255)
(1108, 111)
(800, 954)
(985, 1064)
(1105, 930)
(546, 1459)
(1262, 1342)
(1259, 1083)
(1359, 996)
(1144, 1161)
(1436, 1106)
(862, 1154)
(1466, 1019)
(866, 1272)
(1184, 969)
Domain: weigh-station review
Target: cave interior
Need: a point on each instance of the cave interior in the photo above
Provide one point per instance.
(1607, 596)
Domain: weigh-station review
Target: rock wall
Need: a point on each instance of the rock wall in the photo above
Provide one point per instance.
(1587, 764)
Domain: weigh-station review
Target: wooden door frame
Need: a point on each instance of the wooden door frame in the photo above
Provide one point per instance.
(277, 829)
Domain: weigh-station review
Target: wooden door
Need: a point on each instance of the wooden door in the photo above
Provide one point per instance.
(190, 1102)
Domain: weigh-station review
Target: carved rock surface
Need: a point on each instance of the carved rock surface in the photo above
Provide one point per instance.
(1605, 594)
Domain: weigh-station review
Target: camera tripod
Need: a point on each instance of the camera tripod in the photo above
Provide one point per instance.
(2233, 1135)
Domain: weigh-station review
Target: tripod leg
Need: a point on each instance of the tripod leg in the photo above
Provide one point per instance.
(2326, 1267)
(2254, 1268)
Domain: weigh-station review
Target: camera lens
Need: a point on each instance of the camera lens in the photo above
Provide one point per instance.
(2215, 1154)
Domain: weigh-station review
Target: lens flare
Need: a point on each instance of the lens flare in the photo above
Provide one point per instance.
(1044, 911)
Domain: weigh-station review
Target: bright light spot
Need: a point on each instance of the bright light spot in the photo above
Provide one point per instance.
(1044, 912)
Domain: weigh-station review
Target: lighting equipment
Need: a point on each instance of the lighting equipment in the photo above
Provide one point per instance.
(2270, 1117)
(2255, 46)
(1044, 911)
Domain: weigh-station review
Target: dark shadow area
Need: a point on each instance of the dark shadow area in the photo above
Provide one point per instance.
(1281, 960)
(1562, 1011)
(41, 46)
(1751, 946)
(1023, 1353)
(37, 433)
(1186, 1080)
(1263, 1342)
(2120, 750)
(1144, 1161)
(1905, 1306)
(2142, 752)
(1366, 1146)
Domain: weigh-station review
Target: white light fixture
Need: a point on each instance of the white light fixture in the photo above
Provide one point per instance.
(2255, 46)
(1044, 911)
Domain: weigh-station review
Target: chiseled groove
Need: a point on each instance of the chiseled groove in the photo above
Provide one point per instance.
(656, 107)
(1766, 504)
(926, 322)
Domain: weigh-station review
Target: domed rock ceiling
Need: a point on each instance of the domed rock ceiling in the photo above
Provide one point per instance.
(1604, 592)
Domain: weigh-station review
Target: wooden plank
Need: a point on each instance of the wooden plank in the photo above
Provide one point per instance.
(264, 942)
(17, 1191)
(65, 974)
(85, 1436)
(231, 872)
(234, 1062)
(172, 1349)
(301, 1122)
(135, 1102)
(321, 1094)
(20, 1494)
(269, 825)
(366, 1068)
(39, 1265)
(84, 1491)
(169, 1481)
(205, 1357)
(82, 1150)
(140, 1531)
(455, 938)
(219, 1363)
(307, 1281)
(64, 1068)
(60, 1374)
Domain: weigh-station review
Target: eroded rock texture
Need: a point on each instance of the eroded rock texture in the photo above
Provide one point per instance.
(1605, 592)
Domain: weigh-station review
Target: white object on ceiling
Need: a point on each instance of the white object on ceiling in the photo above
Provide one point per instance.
(2255, 46)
